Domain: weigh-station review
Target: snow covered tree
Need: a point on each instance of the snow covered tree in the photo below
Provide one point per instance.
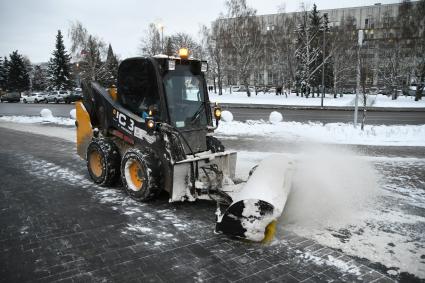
(3, 72)
(344, 40)
(39, 79)
(87, 51)
(17, 73)
(282, 50)
(169, 48)
(151, 41)
(109, 71)
(243, 39)
(91, 62)
(412, 23)
(182, 39)
(60, 66)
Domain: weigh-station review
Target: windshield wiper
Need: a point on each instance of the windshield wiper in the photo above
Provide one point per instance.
(198, 112)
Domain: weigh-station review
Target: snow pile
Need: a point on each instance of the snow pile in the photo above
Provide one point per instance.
(46, 113)
(73, 114)
(227, 116)
(341, 133)
(275, 117)
(37, 120)
(347, 100)
(401, 101)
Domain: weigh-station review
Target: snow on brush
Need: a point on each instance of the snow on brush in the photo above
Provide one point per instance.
(340, 133)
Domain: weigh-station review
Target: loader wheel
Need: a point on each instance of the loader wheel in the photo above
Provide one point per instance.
(103, 162)
(214, 145)
(139, 175)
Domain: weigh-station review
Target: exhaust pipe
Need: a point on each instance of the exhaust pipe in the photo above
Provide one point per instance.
(260, 202)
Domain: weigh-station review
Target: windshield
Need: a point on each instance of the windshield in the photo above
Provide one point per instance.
(186, 99)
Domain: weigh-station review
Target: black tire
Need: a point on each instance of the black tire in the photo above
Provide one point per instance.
(214, 144)
(25, 101)
(36, 101)
(140, 174)
(56, 101)
(103, 161)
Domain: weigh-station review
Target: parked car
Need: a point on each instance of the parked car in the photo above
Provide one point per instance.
(57, 96)
(34, 97)
(73, 96)
(11, 97)
(411, 91)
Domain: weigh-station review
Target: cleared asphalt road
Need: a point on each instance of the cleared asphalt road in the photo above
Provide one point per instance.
(242, 114)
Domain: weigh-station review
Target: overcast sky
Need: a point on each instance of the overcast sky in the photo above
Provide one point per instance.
(30, 26)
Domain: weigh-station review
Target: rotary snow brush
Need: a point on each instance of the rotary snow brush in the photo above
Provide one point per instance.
(258, 205)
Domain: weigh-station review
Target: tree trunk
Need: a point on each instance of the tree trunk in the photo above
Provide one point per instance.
(364, 110)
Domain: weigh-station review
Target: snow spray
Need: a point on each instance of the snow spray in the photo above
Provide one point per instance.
(330, 186)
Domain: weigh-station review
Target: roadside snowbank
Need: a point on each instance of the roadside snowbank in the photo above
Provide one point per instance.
(342, 133)
(34, 120)
(347, 100)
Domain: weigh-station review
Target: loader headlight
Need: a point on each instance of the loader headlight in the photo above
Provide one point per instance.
(217, 113)
(150, 125)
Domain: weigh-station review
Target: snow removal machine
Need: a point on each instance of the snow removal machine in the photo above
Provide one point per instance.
(154, 131)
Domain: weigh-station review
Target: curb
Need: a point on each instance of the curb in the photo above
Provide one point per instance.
(334, 108)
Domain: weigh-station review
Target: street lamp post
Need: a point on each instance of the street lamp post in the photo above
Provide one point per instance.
(161, 27)
(356, 100)
(323, 67)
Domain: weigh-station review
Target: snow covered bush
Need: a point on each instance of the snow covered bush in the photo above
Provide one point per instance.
(275, 117)
(46, 113)
(73, 114)
(227, 116)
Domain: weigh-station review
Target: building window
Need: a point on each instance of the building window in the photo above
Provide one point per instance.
(366, 22)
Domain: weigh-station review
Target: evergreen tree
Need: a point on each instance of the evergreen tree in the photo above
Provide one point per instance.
(109, 71)
(17, 77)
(39, 80)
(59, 66)
(316, 27)
(169, 47)
(3, 73)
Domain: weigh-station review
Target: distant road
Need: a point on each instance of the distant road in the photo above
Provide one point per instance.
(242, 114)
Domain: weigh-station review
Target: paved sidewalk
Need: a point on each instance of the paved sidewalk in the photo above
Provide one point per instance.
(58, 226)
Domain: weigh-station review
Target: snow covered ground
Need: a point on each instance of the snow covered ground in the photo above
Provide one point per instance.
(347, 100)
(341, 133)
(369, 207)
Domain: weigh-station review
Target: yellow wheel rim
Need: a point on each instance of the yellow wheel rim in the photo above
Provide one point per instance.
(135, 174)
(96, 166)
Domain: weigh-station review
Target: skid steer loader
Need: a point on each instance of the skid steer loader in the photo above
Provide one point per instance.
(154, 132)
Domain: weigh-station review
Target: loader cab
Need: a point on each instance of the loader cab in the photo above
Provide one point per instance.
(178, 94)
(175, 88)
